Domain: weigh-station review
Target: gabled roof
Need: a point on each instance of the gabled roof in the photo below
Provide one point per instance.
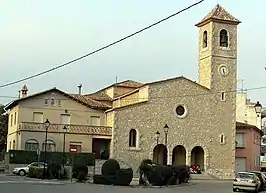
(219, 14)
(102, 96)
(161, 81)
(84, 100)
(241, 125)
(129, 84)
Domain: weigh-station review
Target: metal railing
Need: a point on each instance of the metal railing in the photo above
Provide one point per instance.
(58, 128)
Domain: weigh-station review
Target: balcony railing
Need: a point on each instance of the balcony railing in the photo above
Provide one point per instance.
(58, 128)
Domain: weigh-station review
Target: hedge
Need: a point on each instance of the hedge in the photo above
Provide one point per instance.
(27, 157)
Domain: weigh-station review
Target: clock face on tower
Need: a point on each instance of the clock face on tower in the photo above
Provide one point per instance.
(223, 70)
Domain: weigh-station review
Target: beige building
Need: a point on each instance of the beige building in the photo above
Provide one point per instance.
(245, 110)
(173, 121)
(83, 117)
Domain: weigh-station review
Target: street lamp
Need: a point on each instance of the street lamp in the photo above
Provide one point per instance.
(64, 145)
(258, 108)
(166, 128)
(46, 125)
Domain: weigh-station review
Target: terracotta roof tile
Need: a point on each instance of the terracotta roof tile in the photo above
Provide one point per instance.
(218, 13)
(89, 101)
(248, 126)
(79, 98)
(130, 83)
(99, 96)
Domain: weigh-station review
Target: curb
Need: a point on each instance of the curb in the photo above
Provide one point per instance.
(31, 182)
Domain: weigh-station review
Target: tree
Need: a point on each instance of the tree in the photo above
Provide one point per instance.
(3, 127)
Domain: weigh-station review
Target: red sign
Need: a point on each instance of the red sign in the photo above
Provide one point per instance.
(73, 148)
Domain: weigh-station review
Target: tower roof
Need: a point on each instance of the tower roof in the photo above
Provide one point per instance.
(218, 14)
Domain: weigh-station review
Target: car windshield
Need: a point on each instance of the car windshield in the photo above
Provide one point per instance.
(256, 173)
(245, 175)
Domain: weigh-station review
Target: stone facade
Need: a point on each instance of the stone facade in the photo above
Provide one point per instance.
(209, 117)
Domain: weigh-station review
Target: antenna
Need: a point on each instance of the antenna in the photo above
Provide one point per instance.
(116, 80)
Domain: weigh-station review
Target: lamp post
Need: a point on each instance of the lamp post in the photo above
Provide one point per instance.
(258, 108)
(157, 140)
(166, 128)
(64, 145)
(46, 125)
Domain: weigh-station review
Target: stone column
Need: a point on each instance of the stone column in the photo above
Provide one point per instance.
(188, 158)
(169, 156)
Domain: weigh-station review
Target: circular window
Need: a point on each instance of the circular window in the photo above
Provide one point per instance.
(180, 110)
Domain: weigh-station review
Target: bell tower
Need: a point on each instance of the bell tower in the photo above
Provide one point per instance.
(217, 67)
(217, 46)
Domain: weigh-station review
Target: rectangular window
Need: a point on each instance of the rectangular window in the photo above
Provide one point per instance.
(46, 101)
(95, 120)
(75, 146)
(65, 119)
(59, 102)
(240, 139)
(15, 118)
(11, 120)
(223, 96)
(37, 117)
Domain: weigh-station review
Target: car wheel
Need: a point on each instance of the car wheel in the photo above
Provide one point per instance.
(21, 172)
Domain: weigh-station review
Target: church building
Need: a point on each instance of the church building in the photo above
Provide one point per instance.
(180, 121)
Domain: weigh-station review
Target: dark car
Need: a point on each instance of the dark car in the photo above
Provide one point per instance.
(262, 178)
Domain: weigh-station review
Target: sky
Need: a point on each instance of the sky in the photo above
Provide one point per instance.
(38, 35)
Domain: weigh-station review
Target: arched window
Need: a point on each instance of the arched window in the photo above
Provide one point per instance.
(223, 38)
(31, 145)
(132, 138)
(205, 39)
(50, 145)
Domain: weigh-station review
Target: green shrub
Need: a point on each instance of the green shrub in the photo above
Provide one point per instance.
(36, 172)
(110, 167)
(124, 177)
(27, 157)
(22, 157)
(80, 171)
(54, 169)
(101, 179)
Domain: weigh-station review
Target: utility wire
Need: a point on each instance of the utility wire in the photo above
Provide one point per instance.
(100, 49)
(165, 97)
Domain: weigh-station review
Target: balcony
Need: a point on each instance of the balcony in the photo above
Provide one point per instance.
(72, 129)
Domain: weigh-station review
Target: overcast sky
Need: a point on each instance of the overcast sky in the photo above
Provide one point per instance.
(38, 35)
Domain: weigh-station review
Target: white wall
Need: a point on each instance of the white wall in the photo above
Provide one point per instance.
(245, 112)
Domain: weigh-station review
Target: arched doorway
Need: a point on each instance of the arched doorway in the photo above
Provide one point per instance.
(160, 154)
(179, 155)
(197, 157)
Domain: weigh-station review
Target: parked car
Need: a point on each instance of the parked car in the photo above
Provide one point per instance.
(246, 181)
(22, 171)
(262, 178)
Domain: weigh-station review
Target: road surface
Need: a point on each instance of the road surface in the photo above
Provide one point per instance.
(15, 184)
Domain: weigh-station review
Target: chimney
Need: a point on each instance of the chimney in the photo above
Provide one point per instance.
(19, 94)
(79, 87)
(24, 91)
